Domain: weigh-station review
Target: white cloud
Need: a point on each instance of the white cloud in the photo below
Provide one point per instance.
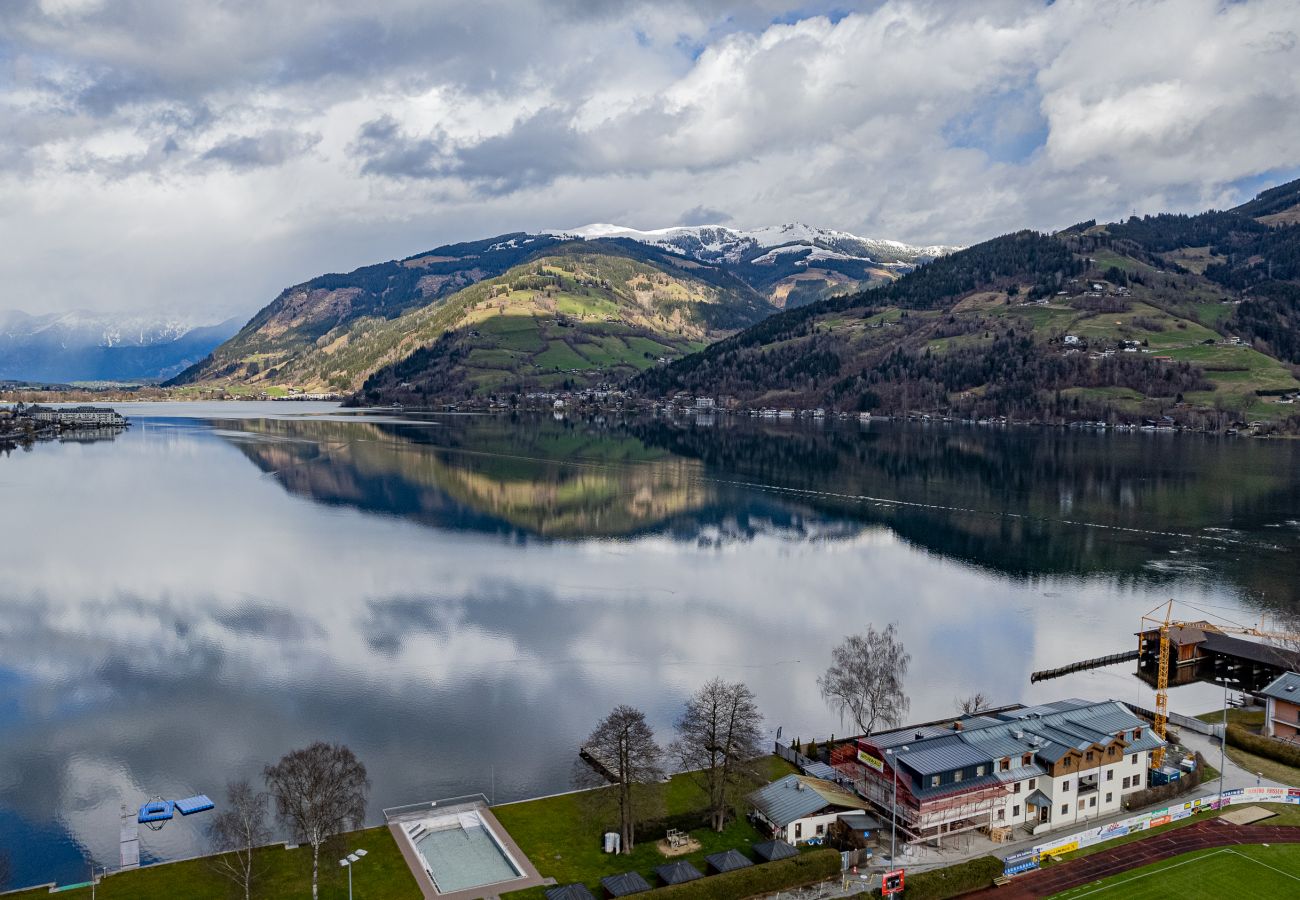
(165, 154)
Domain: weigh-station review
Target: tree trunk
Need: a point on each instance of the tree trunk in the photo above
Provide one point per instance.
(315, 867)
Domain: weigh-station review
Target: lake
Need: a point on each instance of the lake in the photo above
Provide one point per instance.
(461, 598)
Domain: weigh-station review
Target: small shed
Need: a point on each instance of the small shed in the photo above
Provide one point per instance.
(727, 861)
(678, 872)
(771, 851)
(569, 892)
(624, 885)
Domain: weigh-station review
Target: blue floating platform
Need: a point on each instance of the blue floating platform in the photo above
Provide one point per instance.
(156, 811)
(196, 804)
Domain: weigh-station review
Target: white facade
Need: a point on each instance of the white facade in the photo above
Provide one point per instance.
(1106, 784)
(802, 830)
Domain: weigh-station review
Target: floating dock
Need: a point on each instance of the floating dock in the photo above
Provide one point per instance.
(1083, 665)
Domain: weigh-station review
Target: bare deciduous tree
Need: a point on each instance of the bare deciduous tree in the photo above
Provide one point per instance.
(624, 745)
(717, 737)
(319, 791)
(236, 831)
(973, 704)
(865, 679)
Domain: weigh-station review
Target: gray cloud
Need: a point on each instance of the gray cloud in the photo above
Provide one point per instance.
(154, 141)
(270, 148)
(703, 215)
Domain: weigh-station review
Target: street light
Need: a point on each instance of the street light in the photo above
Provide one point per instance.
(351, 860)
(893, 807)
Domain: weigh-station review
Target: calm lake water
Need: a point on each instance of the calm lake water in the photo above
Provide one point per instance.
(459, 598)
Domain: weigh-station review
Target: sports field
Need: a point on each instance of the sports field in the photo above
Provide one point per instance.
(1247, 870)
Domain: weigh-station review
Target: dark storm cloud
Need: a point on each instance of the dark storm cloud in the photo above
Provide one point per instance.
(703, 215)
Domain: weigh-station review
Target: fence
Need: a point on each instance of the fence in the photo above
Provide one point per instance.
(1181, 721)
(1172, 813)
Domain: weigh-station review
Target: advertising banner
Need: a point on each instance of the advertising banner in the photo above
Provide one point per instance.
(870, 761)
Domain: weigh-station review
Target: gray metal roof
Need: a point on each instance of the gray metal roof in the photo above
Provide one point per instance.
(727, 861)
(796, 796)
(821, 770)
(1038, 798)
(931, 760)
(774, 850)
(1285, 687)
(678, 872)
(627, 883)
(569, 892)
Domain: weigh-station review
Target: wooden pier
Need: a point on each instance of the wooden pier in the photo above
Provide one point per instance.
(1083, 665)
(605, 768)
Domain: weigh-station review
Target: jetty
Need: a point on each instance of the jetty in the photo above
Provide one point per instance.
(1083, 665)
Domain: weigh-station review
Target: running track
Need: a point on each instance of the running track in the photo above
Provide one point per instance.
(1201, 836)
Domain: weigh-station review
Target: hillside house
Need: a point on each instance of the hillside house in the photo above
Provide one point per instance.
(1041, 768)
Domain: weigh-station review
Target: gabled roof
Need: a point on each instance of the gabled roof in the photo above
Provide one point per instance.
(1038, 798)
(1285, 687)
(797, 796)
(770, 851)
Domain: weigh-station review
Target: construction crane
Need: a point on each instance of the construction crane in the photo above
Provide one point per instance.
(1162, 670)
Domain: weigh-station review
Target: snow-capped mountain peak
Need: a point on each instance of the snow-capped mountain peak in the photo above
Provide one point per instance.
(720, 243)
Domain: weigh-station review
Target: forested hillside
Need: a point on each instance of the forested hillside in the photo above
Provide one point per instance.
(1195, 317)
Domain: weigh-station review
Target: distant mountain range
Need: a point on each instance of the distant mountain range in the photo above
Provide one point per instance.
(581, 306)
(84, 346)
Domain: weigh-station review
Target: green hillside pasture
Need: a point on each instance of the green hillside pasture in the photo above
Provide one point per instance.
(1244, 871)
(1123, 326)
(559, 355)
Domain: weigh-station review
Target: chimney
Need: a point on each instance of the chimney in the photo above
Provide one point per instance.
(956, 726)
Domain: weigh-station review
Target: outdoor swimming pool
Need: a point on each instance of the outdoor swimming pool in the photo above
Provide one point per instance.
(460, 852)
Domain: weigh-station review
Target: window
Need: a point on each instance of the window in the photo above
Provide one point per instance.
(1110, 751)
(1110, 774)
(1137, 779)
(1088, 756)
(1026, 759)
(1015, 789)
(1015, 811)
(1108, 798)
(956, 776)
(821, 829)
(1065, 809)
(1124, 784)
(798, 830)
(1033, 783)
(934, 781)
(1002, 813)
(979, 770)
(1133, 759)
(1092, 801)
(1137, 733)
(1005, 764)
(1068, 761)
(1065, 786)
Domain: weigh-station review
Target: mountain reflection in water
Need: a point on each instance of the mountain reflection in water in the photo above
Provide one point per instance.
(462, 596)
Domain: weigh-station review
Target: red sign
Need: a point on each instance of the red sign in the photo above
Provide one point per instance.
(892, 883)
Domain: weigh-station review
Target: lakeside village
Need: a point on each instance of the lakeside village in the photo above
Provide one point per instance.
(1014, 801)
(24, 424)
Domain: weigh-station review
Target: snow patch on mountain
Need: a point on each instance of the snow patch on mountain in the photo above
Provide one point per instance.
(719, 243)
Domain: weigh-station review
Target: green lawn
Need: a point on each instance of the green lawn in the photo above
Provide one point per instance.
(564, 842)
(1253, 720)
(1245, 871)
(287, 873)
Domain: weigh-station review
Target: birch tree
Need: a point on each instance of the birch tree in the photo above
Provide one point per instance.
(236, 832)
(718, 736)
(319, 791)
(864, 682)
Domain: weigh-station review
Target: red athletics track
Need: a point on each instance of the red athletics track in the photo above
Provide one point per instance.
(1201, 836)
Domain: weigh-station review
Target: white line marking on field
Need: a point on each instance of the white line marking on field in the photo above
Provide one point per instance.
(1107, 887)
(1264, 864)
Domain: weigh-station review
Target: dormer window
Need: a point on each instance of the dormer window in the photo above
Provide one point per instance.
(1005, 765)
(1137, 734)
(956, 776)
(1026, 759)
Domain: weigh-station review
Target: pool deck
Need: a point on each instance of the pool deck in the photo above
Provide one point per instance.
(530, 878)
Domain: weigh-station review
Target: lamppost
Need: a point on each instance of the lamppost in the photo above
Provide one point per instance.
(1223, 736)
(893, 807)
(347, 863)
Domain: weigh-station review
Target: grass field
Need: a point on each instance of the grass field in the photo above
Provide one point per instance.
(1245, 871)
(564, 841)
(284, 873)
(1254, 720)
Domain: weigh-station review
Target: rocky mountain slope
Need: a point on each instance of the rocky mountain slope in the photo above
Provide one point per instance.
(1196, 317)
(329, 333)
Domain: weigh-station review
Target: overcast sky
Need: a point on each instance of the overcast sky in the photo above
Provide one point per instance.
(166, 154)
